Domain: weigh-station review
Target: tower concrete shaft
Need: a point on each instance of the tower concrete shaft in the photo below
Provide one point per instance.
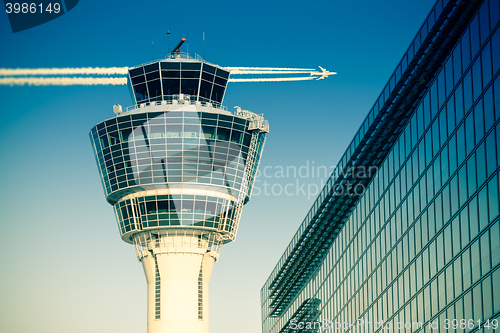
(178, 269)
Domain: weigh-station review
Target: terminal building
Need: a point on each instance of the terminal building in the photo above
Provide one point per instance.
(177, 167)
(406, 233)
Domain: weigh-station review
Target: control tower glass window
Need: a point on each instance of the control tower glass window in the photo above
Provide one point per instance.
(162, 80)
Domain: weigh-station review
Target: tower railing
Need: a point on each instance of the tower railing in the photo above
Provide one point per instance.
(180, 55)
(179, 99)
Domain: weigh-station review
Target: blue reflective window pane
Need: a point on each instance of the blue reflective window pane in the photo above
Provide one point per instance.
(137, 71)
(208, 69)
(138, 79)
(491, 154)
(449, 75)
(469, 133)
(465, 49)
(484, 21)
(477, 302)
(171, 86)
(471, 172)
(452, 146)
(466, 278)
(493, 198)
(473, 218)
(459, 103)
(479, 121)
(170, 65)
(498, 138)
(189, 86)
(494, 12)
(170, 74)
(190, 66)
(482, 199)
(477, 78)
(443, 127)
(481, 165)
(208, 77)
(495, 49)
(151, 68)
(222, 73)
(455, 231)
(434, 99)
(190, 74)
(489, 114)
(437, 174)
(154, 88)
(457, 63)
(468, 97)
(441, 88)
(217, 93)
(205, 89)
(487, 65)
(427, 110)
(474, 36)
(141, 92)
(461, 144)
(153, 75)
(497, 97)
(475, 261)
(495, 244)
(220, 81)
(428, 147)
(487, 298)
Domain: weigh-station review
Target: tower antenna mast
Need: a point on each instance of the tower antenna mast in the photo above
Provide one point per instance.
(168, 36)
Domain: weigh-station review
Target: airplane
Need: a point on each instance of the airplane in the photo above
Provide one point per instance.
(324, 73)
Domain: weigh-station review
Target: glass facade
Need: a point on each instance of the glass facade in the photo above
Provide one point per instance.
(421, 246)
(175, 168)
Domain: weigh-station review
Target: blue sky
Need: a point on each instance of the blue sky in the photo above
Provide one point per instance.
(64, 266)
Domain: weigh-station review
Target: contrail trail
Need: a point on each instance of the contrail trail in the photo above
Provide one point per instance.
(238, 72)
(38, 76)
(63, 71)
(231, 69)
(272, 71)
(124, 71)
(276, 79)
(62, 81)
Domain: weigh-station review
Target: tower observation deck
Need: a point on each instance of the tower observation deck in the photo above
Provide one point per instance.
(177, 167)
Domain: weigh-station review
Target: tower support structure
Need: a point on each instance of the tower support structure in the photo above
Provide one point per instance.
(178, 266)
(177, 167)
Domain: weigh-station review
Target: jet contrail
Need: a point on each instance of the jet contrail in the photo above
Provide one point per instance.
(314, 74)
(38, 76)
(124, 71)
(231, 69)
(62, 81)
(238, 72)
(275, 79)
(63, 71)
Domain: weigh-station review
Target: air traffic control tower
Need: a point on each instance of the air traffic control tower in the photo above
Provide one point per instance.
(177, 167)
